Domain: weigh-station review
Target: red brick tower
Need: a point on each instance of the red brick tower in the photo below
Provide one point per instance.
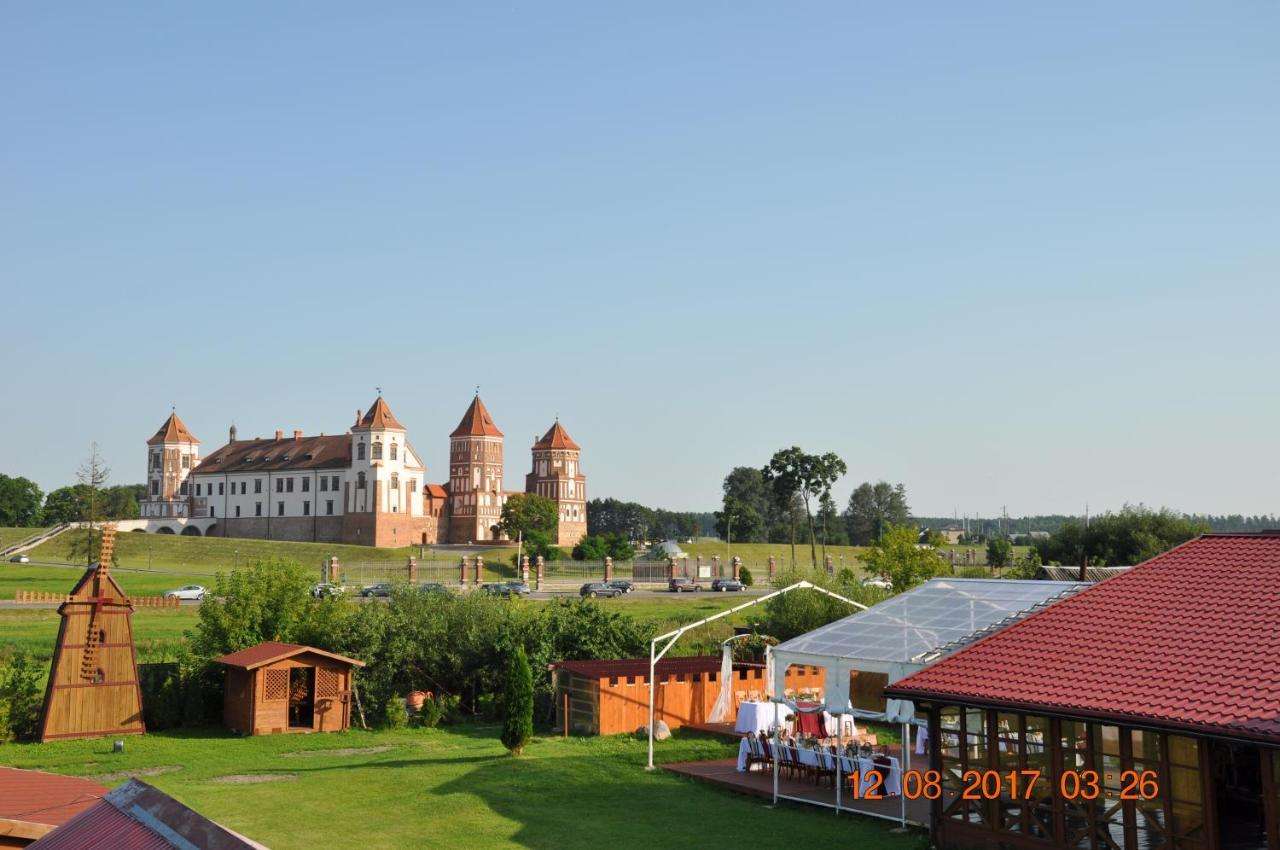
(557, 474)
(475, 476)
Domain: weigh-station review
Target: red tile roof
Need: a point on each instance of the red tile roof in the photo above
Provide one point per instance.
(436, 491)
(476, 422)
(557, 438)
(380, 417)
(272, 650)
(286, 454)
(32, 802)
(174, 430)
(1187, 640)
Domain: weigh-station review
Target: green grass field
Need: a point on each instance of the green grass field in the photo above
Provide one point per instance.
(10, 535)
(455, 787)
(755, 555)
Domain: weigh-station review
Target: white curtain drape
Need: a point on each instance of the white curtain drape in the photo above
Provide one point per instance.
(720, 711)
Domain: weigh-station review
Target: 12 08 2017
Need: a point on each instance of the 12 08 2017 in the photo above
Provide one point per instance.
(1016, 784)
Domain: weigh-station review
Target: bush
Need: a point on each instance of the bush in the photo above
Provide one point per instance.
(846, 577)
(429, 714)
(20, 699)
(517, 703)
(972, 572)
(394, 715)
(744, 576)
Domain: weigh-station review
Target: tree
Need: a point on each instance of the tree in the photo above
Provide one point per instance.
(801, 611)
(830, 523)
(91, 478)
(20, 501)
(267, 600)
(517, 703)
(999, 552)
(1131, 536)
(792, 472)
(871, 508)
(897, 557)
(21, 696)
(600, 546)
(63, 505)
(738, 522)
(525, 513)
(748, 499)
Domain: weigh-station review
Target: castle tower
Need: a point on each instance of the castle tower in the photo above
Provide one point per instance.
(557, 474)
(171, 455)
(475, 476)
(384, 504)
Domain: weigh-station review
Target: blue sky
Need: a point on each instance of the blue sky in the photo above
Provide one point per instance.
(1004, 253)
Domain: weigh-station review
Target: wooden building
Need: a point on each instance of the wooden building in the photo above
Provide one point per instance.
(612, 697)
(1149, 704)
(93, 682)
(275, 687)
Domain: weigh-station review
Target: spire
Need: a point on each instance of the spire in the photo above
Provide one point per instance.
(476, 422)
(557, 438)
(380, 417)
(174, 430)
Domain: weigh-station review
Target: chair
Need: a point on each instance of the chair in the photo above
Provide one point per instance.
(739, 697)
(754, 755)
(765, 750)
(826, 768)
(755, 696)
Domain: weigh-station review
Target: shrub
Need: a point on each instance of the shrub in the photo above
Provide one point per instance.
(744, 576)
(429, 714)
(20, 699)
(846, 577)
(517, 703)
(394, 715)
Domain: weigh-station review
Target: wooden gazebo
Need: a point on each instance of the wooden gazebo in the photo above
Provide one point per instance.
(274, 688)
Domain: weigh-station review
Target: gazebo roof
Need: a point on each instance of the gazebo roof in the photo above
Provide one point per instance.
(272, 651)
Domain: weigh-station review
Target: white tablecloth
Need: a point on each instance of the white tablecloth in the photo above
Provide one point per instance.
(891, 787)
(759, 716)
(743, 750)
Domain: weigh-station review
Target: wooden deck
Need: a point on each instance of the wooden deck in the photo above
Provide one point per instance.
(759, 783)
(725, 730)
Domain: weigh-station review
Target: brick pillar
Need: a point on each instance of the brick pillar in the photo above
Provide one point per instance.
(608, 568)
(699, 565)
(737, 567)
(671, 567)
(413, 570)
(773, 567)
(524, 568)
(542, 566)
(479, 562)
(333, 570)
(829, 565)
(462, 571)
(715, 567)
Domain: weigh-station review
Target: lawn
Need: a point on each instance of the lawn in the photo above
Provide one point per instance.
(156, 631)
(756, 555)
(455, 787)
(10, 535)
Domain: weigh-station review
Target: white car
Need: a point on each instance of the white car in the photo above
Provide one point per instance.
(193, 592)
(19, 559)
(876, 581)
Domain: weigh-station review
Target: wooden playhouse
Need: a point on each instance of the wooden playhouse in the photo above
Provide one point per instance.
(274, 688)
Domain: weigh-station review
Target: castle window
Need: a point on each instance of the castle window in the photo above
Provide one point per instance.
(288, 485)
(155, 488)
(237, 511)
(328, 506)
(393, 451)
(306, 509)
(186, 461)
(243, 485)
(279, 485)
(221, 488)
(413, 484)
(279, 508)
(197, 489)
(155, 460)
(359, 451)
(324, 483)
(257, 485)
(395, 481)
(257, 508)
(377, 451)
(359, 480)
(335, 483)
(184, 489)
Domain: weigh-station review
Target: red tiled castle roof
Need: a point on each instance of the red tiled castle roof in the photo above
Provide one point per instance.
(1187, 640)
(380, 417)
(557, 438)
(174, 430)
(476, 422)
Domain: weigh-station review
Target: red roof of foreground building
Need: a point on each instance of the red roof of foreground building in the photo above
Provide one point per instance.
(271, 651)
(32, 802)
(174, 430)
(1188, 640)
(476, 422)
(557, 438)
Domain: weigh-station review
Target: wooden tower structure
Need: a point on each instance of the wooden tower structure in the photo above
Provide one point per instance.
(93, 684)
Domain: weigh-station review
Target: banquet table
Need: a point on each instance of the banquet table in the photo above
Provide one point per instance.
(759, 716)
(891, 787)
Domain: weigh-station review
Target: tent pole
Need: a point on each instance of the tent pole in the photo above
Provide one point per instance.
(777, 754)
(839, 758)
(653, 646)
(902, 797)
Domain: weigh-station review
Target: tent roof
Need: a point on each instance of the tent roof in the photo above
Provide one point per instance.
(925, 623)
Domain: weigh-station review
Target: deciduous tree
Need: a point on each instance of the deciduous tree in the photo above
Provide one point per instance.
(792, 472)
(872, 507)
(898, 557)
(20, 501)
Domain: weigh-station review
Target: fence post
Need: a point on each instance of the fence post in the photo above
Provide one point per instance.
(479, 562)
(462, 571)
(608, 568)
(671, 567)
(413, 570)
(829, 563)
(715, 567)
(737, 567)
(542, 564)
(773, 567)
(699, 565)
(524, 568)
(333, 570)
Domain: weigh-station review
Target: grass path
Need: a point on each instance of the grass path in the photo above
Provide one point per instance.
(456, 788)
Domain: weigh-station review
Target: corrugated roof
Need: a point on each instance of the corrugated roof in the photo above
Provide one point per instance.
(1187, 640)
(557, 438)
(271, 651)
(35, 797)
(174, 430)
(286, 454)
(476, 422)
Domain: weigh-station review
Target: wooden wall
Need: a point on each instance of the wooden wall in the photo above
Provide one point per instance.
(257, 701)
(76, 705)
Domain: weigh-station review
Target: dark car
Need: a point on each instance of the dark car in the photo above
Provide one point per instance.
(623, 585)
(725, 584)
(380, 589)
(507, 589)
(683, 585)
(433, 587)
(599, 588)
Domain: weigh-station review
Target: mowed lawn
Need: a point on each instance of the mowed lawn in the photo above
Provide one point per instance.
(156, 631)
(454, 787)
(756, 555)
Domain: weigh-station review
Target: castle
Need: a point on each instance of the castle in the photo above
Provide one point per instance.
(367, 486)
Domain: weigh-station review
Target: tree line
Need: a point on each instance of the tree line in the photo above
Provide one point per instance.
(24, 505)
(637, 522)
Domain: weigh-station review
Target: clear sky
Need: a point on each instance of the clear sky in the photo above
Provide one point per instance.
(1017, 254)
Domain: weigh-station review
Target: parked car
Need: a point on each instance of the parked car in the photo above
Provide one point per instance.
(19, 559)
(433, 587)
(683, 585)
(328, 590)
(876, 581)
(623, 585)
(382, 588)
(507, 589)
(727, 584)
(189, 592)
(599, 588)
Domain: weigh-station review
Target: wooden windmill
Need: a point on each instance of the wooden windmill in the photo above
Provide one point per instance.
(93, 684)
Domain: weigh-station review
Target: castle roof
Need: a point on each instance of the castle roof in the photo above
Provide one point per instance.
(380, 417)
(174, 430)
(258, 455)
(557, 438)
(476, 422)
